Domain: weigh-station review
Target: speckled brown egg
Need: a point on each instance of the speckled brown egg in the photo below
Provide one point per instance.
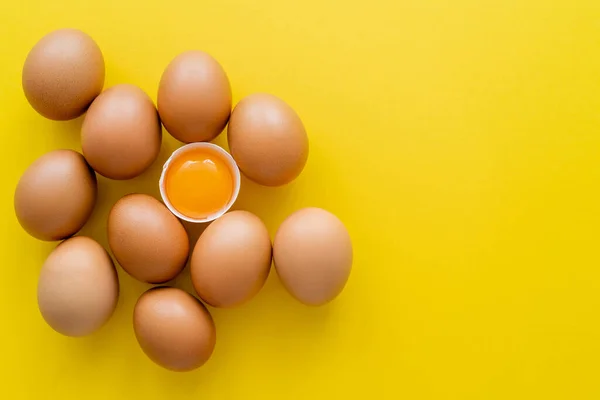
(78, 287)
(231, 260)
(267, 140)
(174, 329)
(56, 195)
(63, 73)
(312, 251)
(194, 97)
(121, 133)
(146, 239)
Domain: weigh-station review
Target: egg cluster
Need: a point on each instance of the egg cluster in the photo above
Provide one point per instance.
(78, 288)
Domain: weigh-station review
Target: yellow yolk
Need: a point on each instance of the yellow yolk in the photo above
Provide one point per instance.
(198, 183)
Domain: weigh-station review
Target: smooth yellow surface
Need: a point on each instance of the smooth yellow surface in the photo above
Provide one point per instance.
(458, 140)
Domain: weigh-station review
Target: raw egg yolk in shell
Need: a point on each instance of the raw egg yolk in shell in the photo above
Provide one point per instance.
(199, 183)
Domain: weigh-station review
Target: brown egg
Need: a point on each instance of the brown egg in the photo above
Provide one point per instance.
(313, 255)
(174, 329)
(63, 73)
(78, 287)
(267, 140)
(146, 239)
(194, 97)
(121, 133)
(231, 260)
(56, 195)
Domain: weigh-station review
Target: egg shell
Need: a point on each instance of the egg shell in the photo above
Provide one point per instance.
(78, 288)
(121, 133)
(231, 259)
(63, 73)
(55, 195)
(312, 251)
(174, 329)
(194, 97)
(146, 239)
(211, 148)
(267, 140)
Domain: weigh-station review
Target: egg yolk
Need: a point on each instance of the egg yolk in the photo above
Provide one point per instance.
(198, 183)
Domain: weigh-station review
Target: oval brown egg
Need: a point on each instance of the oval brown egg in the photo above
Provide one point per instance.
(267, 140)
(78, 287)
(63, 73)
(56, 195)
(146, 239)
(313, 255)
(121, 133)
(194, 97)
(231, 260)
(174, 329)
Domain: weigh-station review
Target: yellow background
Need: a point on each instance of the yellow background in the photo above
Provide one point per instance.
(458, 140)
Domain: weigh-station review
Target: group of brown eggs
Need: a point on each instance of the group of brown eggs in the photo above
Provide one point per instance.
(78, 287)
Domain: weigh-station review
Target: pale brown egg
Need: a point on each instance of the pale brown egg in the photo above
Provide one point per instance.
(56, 195)
(63, 73)
(194, 97)
(146, 239)
(267, 140)
(174, 329)
(231, 260)
(312, 252)
(121, 133)
(78, 287)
